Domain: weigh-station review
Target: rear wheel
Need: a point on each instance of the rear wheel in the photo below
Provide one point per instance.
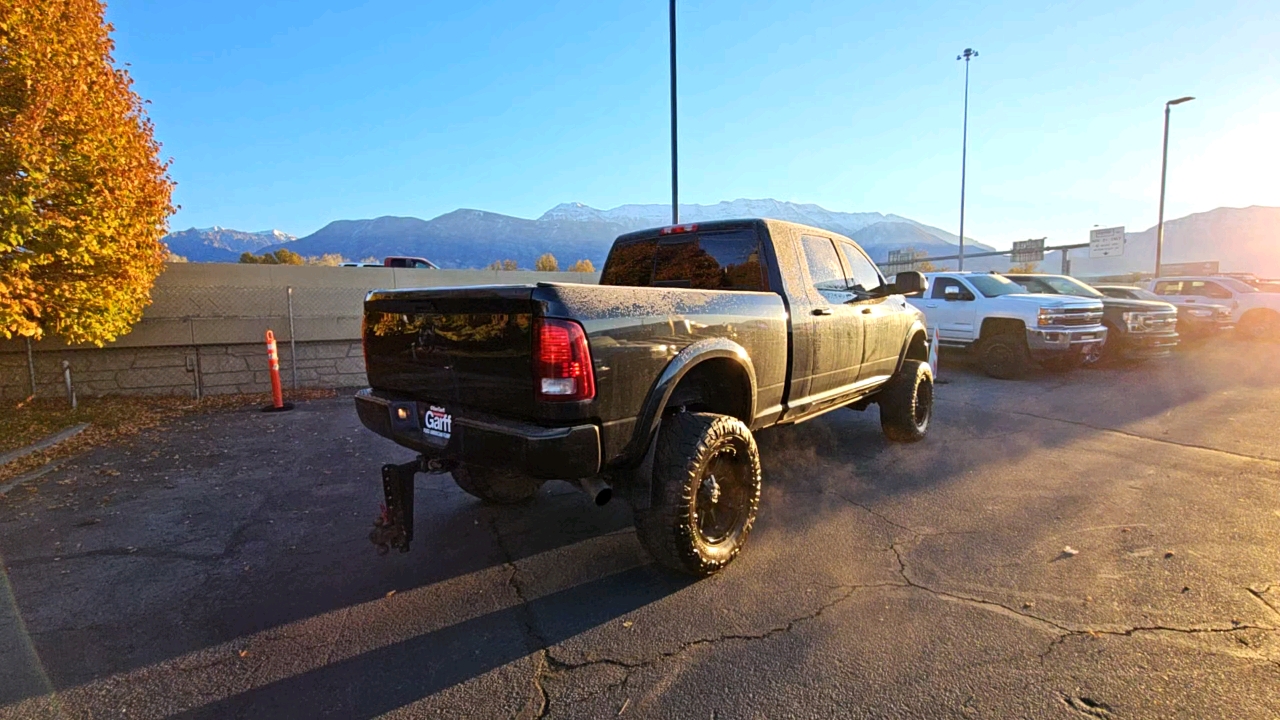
(906, 402)
(500, 487)
(1004, 355)
(706, 479)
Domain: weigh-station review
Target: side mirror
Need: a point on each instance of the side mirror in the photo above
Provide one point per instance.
(909, 283)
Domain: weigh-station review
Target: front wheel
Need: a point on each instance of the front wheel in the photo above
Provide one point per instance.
(706, 478)
(906, 402)
(1004, 356)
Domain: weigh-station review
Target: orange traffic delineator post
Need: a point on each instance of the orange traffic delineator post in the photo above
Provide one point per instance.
(277, 395)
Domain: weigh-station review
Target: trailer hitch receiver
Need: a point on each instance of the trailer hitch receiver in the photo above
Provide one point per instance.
(394, 526)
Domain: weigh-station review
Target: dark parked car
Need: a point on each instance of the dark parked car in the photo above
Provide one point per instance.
(1136, 329)
(409, 262)
(652, 383)
(1196, 321)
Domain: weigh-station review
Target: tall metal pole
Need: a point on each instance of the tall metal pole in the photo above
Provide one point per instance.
(1164, 165)
(964, 147)
(675, 175)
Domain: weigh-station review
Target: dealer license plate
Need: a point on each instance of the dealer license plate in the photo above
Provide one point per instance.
(437, 424)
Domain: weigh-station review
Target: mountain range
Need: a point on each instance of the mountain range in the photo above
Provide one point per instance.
(570, 231)
(219, 244)
(1239, 238)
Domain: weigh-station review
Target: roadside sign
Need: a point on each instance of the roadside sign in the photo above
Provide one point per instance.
(1106, 242)
(1208, 267)
(1027, 251)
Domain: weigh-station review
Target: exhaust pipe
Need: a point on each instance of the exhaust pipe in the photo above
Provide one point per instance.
(600, 491)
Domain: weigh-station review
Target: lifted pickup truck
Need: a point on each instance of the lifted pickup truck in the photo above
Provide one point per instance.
(651, 383)
(1008, 328)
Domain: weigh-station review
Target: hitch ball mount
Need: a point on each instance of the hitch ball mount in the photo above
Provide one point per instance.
(394, 524)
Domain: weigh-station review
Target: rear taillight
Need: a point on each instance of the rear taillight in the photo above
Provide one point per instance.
(562, 362)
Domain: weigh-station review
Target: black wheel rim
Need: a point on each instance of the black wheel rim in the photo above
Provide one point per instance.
(723, 495)
(924, 404)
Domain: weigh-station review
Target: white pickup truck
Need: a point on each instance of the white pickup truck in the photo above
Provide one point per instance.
(1256, 314)
(1008, 328)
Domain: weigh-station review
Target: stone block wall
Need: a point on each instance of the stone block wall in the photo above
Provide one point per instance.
(179, 370)
(203, 332)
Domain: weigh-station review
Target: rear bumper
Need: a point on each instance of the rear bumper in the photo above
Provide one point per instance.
(558, 453)
(1050, 342)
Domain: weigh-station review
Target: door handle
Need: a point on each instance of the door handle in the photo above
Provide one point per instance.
(822, 311)
(932, 305)
(866, 311)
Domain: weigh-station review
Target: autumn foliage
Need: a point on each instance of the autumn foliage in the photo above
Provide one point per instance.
(84, 197)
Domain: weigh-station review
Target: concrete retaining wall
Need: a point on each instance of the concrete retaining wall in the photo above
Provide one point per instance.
(204, 331)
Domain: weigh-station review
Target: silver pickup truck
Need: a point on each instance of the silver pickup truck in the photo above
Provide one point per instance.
(1007, 328)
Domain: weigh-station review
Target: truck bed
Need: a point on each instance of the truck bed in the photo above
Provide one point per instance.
(468, 352)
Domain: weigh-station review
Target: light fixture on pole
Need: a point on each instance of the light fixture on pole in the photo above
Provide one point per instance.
(968, 54)
(1164, 165)
(675, 194)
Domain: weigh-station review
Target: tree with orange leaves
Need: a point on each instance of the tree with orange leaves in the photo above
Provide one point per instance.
(84, 196)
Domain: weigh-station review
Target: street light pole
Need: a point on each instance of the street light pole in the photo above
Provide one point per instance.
(1164, 165)
(675, 176)
(964, 146)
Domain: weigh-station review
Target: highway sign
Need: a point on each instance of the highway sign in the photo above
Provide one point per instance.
(1027, 251)
(1106, 242)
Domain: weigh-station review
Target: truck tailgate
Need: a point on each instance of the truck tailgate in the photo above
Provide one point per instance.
(467, 348)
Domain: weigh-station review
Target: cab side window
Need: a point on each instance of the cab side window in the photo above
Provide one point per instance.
(863, 275)
(940, 285)
(1169, 287)
(825, 269)
(1204, 288)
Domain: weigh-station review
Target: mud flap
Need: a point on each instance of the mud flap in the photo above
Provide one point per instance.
(637, 489)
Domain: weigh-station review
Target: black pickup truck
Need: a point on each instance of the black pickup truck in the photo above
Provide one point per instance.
(649, 384)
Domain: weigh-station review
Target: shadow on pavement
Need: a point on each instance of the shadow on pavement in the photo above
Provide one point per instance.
(390, 677)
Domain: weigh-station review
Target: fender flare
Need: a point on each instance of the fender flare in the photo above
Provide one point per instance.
(640, 449)
(917, 327)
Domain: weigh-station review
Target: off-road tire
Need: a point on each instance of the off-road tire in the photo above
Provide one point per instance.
(499, 487)
(1004, 355)
(672, 529)
(906, 402)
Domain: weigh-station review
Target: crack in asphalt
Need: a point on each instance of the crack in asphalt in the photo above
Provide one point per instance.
(1125, 433)
(533, 639)
(1064, 632)
(548, 665)
(560, 666)
(1261, 596)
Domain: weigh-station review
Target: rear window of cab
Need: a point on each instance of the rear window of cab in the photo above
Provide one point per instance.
(714, 260)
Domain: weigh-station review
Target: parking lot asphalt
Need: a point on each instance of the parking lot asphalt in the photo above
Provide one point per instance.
(1103, 543)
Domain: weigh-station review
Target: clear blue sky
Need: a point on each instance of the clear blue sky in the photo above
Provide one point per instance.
(291, 114)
